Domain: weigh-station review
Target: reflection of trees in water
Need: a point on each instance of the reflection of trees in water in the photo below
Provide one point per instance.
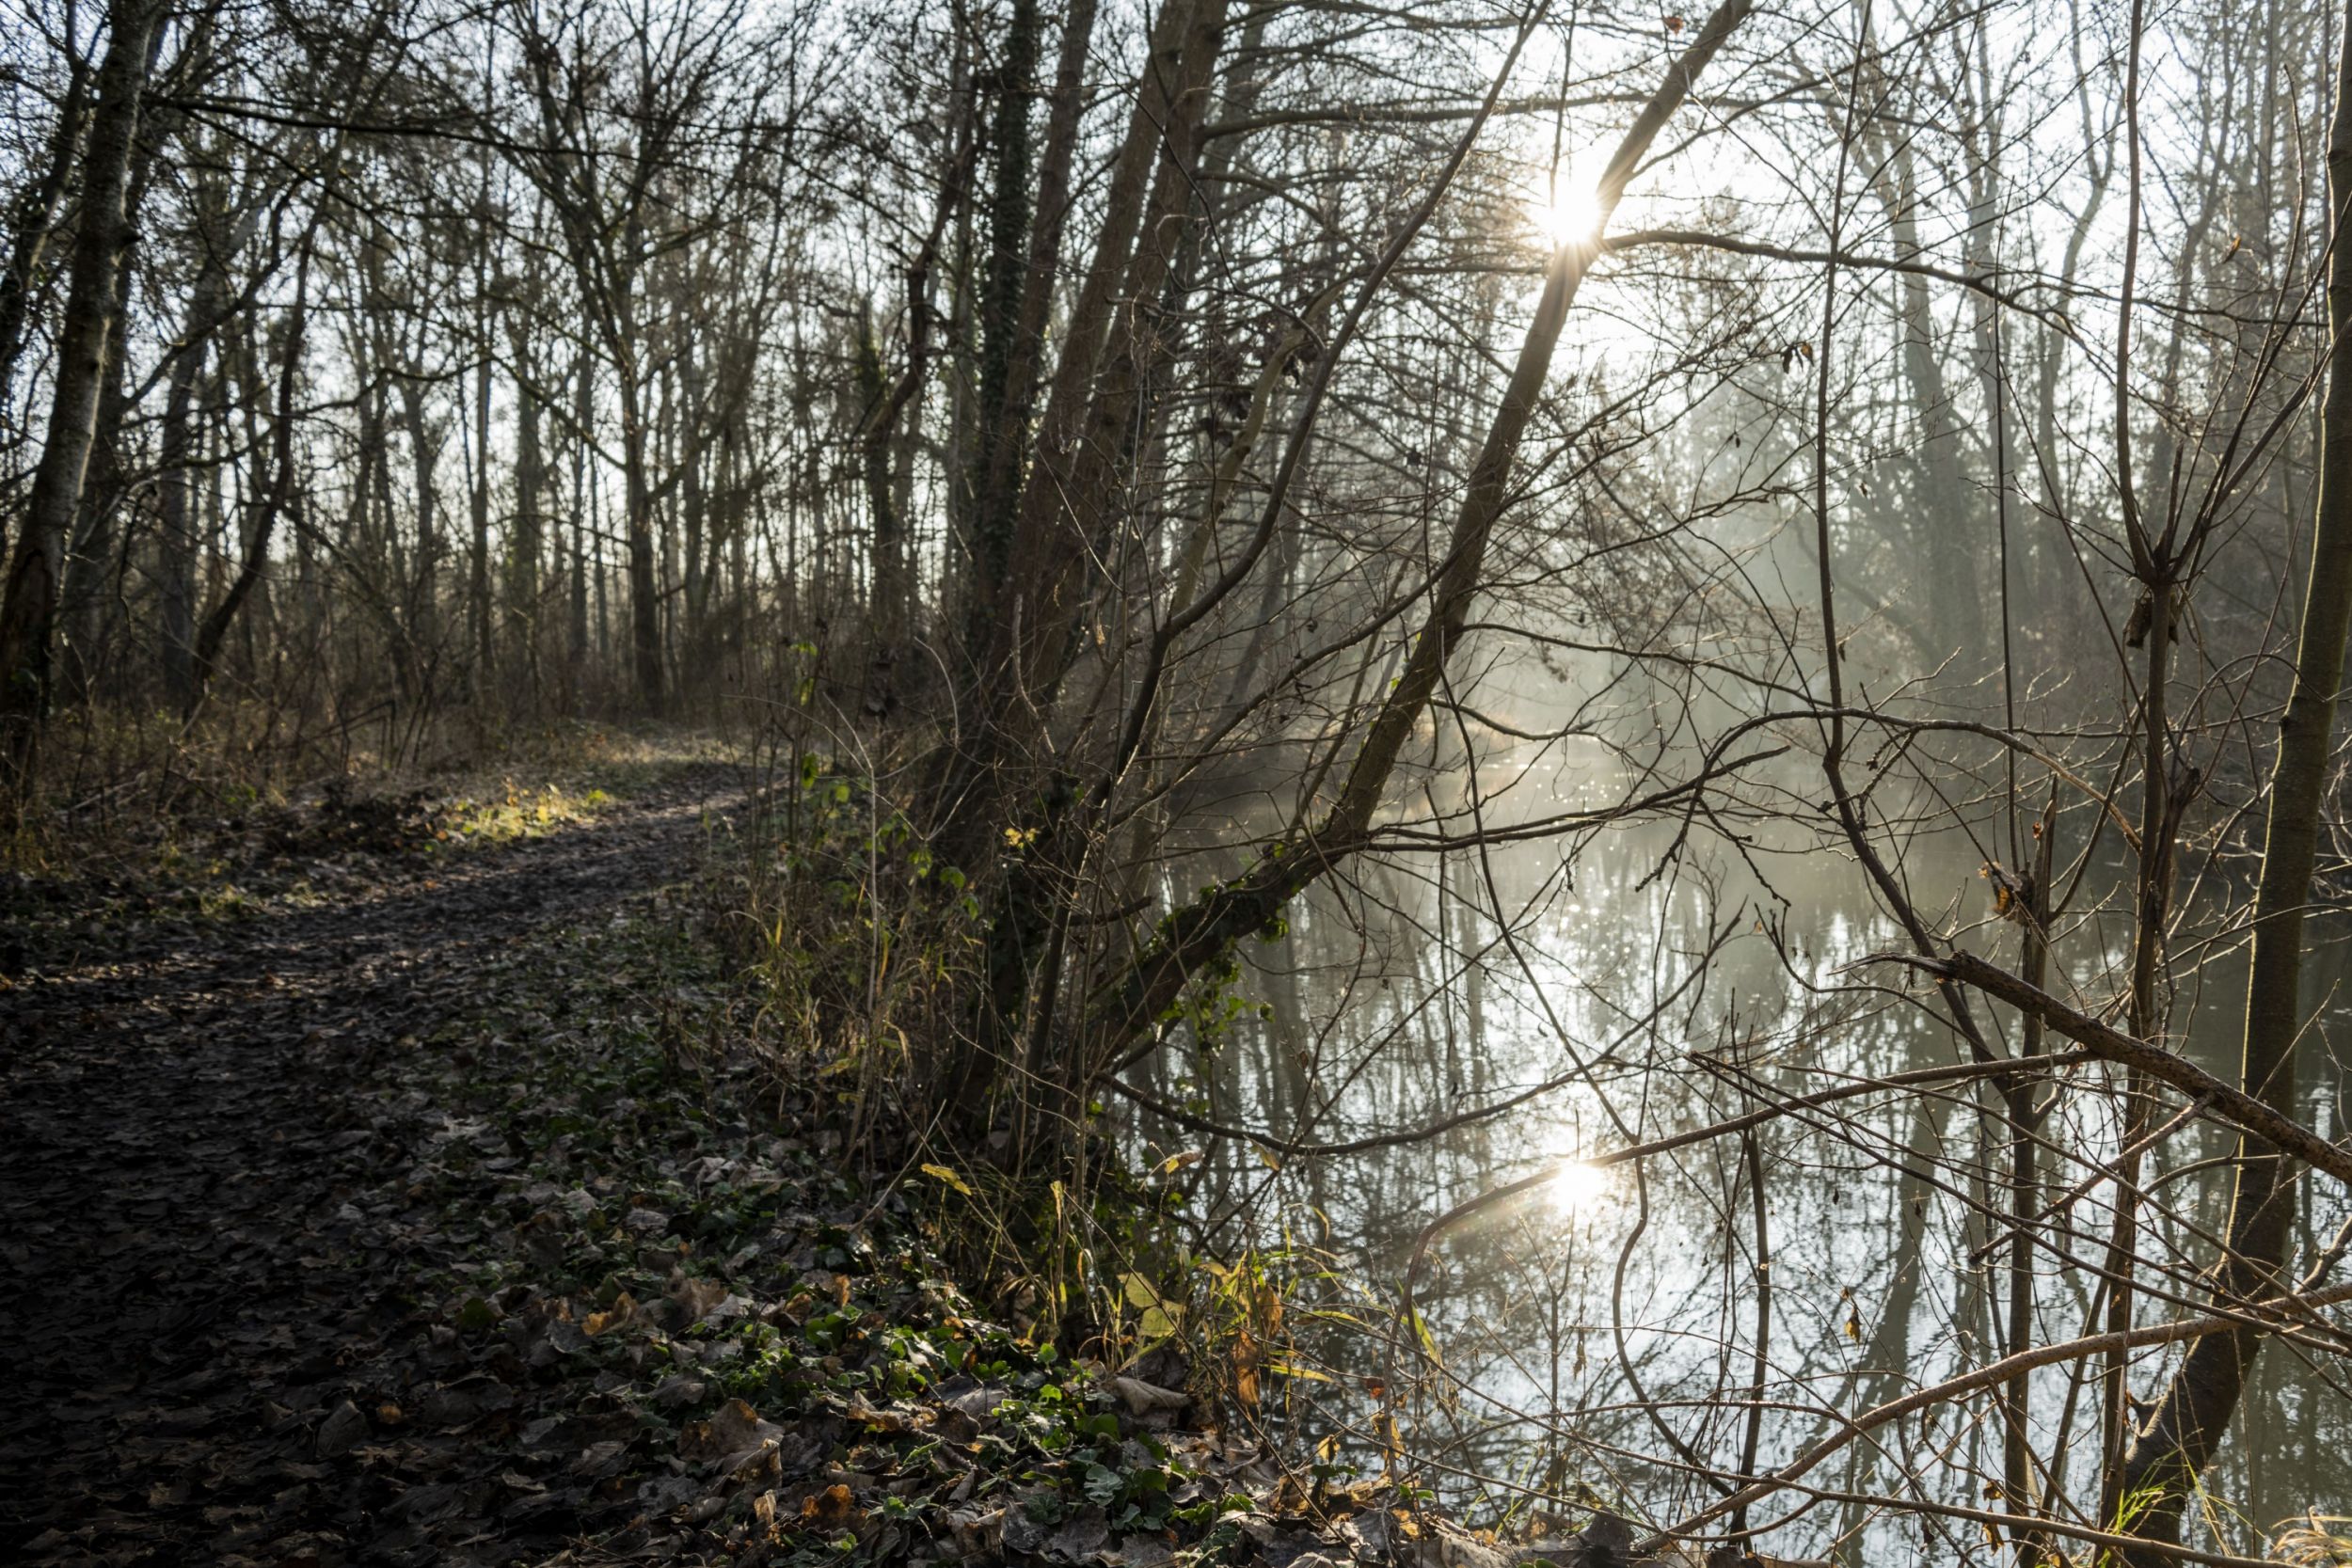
(1606, 1345)
(1593, 651)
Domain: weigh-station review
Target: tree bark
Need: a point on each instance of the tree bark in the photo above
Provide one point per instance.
(275, 501)
(478, 618)
(2197, 1404)
(28, 609)
(178, 545)
(1012, 324)
(1202, 935)
(584, 416)
(97, 548)
(522, 563)
(1001, 293)
(34, 223)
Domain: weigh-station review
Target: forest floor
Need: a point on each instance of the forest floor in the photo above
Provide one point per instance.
(376, 1186)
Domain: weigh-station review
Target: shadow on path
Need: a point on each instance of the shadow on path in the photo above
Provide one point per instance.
(180, 1137)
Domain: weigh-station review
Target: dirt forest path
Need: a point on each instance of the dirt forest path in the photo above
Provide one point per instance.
(179, 1140)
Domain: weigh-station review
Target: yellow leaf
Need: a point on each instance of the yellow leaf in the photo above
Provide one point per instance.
(942, 1174)
(604, 1322)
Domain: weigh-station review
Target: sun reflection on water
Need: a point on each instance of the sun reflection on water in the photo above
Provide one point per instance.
(1574, 1186)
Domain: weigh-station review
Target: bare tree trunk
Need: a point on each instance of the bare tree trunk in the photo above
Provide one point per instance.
(177, 588)
(874, 470)
(1084, 435)
(478, 576)
(2180, 1440)
(645, 592)
(1000, 314)
(1200, 934)
(425, 620)
(275, 501)
(584, 416)
(29, 609)
(34, 223)
(693, 500)
(523, 564)
(97, 551)
(1017, 292)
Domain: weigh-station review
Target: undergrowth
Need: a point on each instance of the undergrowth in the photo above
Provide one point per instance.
(859, 947)
(809, 1376)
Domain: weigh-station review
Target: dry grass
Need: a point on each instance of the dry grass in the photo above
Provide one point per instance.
(2315, 1541)
(127, 793)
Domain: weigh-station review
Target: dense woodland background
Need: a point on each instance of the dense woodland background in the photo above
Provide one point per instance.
(1250, 539)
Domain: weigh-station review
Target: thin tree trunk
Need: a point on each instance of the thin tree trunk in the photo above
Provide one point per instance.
(424, 622)
(583, 413)
(95, 556)
(34, 223)
(1000, 314)
(693, 500)
(2204, 1392)
(478, 585)
(1198, 935)
(178, 545)
(275, 501)
(645, 592)
(523, 564)
(1013, 306)
(28, 609)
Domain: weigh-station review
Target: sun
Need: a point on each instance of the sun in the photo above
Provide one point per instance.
(1572, 215)
(1574, 1186)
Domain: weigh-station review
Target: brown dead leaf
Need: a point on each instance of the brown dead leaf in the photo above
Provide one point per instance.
(977, 1532)
(893, 1422)
(1144, 1399)
(1245, 1368)
(604, 1322)
(697, 1298)
(739, 1426)
(764, 1464)
(831, 1508)
(342, 1431)
(733, 1428)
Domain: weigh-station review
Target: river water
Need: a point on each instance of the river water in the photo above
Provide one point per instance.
(1598, 1340)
